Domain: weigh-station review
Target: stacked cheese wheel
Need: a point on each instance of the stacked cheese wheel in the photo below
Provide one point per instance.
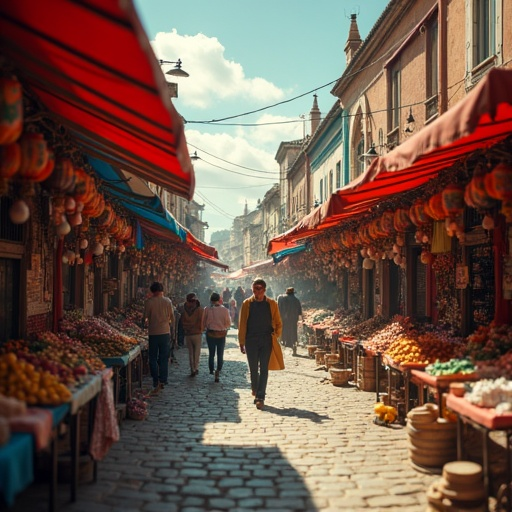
(461, 488)
(432, 440)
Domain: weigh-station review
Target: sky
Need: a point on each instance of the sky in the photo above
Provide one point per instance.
(254, 68)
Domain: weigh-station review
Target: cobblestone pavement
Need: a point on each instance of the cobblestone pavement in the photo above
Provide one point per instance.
(205, 446)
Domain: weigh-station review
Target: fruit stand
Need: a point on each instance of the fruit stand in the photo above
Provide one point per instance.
(485, 420)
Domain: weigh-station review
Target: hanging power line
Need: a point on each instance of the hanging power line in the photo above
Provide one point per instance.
(241, 173)
(214, 206)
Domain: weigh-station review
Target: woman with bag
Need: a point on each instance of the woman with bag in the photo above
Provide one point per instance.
(216, 321)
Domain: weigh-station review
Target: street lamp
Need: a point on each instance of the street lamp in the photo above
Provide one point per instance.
(370, 155)
(176, 70)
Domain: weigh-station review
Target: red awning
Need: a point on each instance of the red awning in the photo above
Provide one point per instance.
(205, 252)
(91, 65)
(480, 120)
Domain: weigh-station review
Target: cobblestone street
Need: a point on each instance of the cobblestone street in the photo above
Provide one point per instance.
(205, 446)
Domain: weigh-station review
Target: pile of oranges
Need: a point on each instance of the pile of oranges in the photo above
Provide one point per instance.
(20, 379)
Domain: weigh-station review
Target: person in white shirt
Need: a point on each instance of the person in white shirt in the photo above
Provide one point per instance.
(216, 321)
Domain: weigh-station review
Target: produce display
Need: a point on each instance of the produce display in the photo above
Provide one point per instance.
(491, 393)
(365, 330)
(489, 342)
(103, 338)
(19, 379)
(385, 413)
(492, 369)
(424, 348)
(382, 338)
(451, 367)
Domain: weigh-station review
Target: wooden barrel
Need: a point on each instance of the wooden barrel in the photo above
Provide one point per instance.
(320, 357)
(331, 359)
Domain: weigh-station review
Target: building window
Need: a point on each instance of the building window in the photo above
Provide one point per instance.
(338, 175)
(322, 190)
(331, 182)
(360, 163)
(395, 97)
(484, 37)
(432, 57)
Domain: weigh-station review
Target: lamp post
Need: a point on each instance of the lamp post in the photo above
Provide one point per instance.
(370, 155)
(176, 70)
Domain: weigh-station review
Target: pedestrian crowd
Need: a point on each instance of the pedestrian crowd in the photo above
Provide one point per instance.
(263, 325)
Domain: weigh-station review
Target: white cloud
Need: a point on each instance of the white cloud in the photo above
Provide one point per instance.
(212, 76)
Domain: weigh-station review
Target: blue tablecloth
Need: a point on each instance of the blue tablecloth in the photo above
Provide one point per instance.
(59, 413)
(16, 466)
(122, 360)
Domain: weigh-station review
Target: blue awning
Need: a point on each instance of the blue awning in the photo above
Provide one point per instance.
(279, 256)
(134, 195)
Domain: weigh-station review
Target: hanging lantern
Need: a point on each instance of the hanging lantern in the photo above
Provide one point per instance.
(85, 188)
(426, 257)
(62, 179)
(11, 110)
(453, 200)
(476, 194)
(387, 223)
(417, 214)
(10, 160)
(498, 184)
(434, 207)
(401, 220)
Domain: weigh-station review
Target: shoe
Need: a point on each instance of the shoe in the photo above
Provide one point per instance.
(154, 391)
(192, 373)
(253, 394)
(162, 385)
(217, 376)
(197, 372)
(211, 372)
(259, 403)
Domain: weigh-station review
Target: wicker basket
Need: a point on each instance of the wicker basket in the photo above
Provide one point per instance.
(340, 376)
(320, 357)
(135, 416)
(311, 350)
(331, 360)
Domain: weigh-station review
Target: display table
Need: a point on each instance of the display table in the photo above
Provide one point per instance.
(403, 372)
(117, 364)
(16, 466)
(485, 420)
(83, 396)
(441, 383)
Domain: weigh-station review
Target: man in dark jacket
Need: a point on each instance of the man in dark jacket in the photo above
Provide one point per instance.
(290, 309)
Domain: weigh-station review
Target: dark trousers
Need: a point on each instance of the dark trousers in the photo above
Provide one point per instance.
(258, 355)
(215, 345)
(159, 347)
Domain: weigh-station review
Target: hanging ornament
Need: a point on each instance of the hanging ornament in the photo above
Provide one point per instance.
(434, 207)
(417, 214)
(475, 194)
(63, 228)
(488, 222)
(84, 243)
(19, 212)
(453, 200)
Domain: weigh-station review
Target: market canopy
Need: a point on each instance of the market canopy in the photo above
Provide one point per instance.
(134, 195)
(480, 120)
(92, 66)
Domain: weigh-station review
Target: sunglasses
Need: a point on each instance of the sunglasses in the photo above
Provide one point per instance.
(258, 288)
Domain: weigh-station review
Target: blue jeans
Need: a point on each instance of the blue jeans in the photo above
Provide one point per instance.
(215, 344)
(159, 347)
(258, 355)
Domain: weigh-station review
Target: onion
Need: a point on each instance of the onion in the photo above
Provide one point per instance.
(19, 212)
(97, 249)
(84, 243)
(488, 222)
(75, 219)
(368, 263)
(70, 205)
(63, 228)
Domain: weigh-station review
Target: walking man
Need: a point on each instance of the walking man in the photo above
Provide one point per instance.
(158, 311)
(259, 322)
(290, 309)
(192, 320)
